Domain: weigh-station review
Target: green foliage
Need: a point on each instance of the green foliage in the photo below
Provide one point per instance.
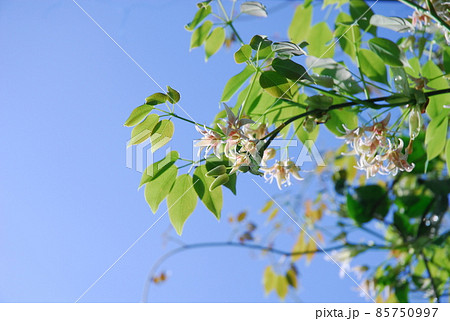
(349, 97)
(157, 189)
(212, 199)
(181, 201)
(143, 130)
(236, 82)
(214, 41)
(318, 37)
(275, 84)
(388, 51)
(370, 202)
(243, 54)
(372, 66)
(161, 134)
(203, 11)
(300, 25)
(138, 114)
(200, 34)
(290, 69)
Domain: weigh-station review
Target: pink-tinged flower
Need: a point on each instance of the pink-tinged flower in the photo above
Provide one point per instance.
(282, 171)
(210, 141)
(397, 160)
(379, 128)
(351, 135)
(231, 143)
(233, 123)
(255, 133)
(371, 165)
(242, 159)
(419, 19)
(251, 147)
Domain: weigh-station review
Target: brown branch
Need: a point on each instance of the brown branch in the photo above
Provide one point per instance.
(187, 247)
(371, 102)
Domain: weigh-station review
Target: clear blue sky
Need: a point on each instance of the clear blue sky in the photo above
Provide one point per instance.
(69, 207)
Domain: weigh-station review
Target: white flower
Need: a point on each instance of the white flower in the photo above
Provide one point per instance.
(210, 140)
(282, 171)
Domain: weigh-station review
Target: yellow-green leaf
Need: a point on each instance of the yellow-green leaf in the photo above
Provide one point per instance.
(275, 84)
(269, 279)
(143, 130)
(281, 286)
(138, 114)
(181, 201)
(243, 54)
(200, 34)
(162, 133)
(158, 188)
(214, 41)
(300, 24)
(212, 199)
(447, 156)
(173, 95)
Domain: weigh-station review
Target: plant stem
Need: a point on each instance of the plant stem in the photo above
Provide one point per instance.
(371, 101)
(427, 266)
(230, 23)
(187, 247)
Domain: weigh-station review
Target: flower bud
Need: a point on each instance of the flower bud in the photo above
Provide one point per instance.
(216, 171)
(220, 180)
(415, 122)
(269, 153)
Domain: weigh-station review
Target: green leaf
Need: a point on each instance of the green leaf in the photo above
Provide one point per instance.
(173, 95)
(359, 10)
(394, 23)
(275, 84)
(159, 167)
(143, 130)
(447, 156)
(436, 135)
(347, 33)
(401, 292)
(214, 41)
(161, 134)
(281, 286)
(269, 280)
(156, 99)
(319, 101)
(138, 114)
(388, 51)
(370, 201)
(159, 187)
(199, 35)
(340, 117)
(372, 66)
(181, 201)
(435, 105)
(318, 37)
(300, 24)
(212, 199)
(290, 69)
(201, 14)
(236, 82)
(243, 54)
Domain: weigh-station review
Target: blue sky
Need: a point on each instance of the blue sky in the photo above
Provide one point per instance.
(69, 206)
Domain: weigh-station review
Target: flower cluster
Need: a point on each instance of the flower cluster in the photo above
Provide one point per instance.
(377, 151)
(241, 143)
(282, 172)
